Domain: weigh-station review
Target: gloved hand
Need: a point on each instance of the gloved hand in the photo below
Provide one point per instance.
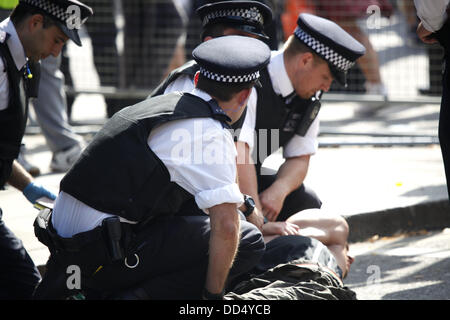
(33, 192)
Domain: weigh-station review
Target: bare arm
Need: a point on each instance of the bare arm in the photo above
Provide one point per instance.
(23, 181)
(248, 183)
(425, 35)
(223, 244)
(19, 178)
(290, 176)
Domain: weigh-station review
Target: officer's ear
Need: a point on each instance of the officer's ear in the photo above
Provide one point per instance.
(196, 78)
(305, 60)
(35, 21)
(243, 96)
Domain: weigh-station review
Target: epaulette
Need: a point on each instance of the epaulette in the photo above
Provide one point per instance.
(218, 113)
(3, 36)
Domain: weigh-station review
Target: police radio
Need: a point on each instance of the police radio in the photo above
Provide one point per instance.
(301, 114)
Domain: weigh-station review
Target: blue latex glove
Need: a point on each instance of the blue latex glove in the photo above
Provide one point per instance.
(33, 192)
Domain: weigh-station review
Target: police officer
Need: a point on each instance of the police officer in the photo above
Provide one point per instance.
(283, 113)
(223, 18)
(281, 110)
(220, 18)
(35, 30)
(150, 208)
(51, 112)
(194, 27)
(435, 27)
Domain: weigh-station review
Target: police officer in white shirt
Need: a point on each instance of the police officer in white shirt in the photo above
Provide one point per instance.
(221, 18)
(434, 27)
(149, 211)
(281, 112)
(35, 30)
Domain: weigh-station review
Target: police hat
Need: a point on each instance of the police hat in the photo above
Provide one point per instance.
(329, 41)
(69, 14)
(248, 16)
(232, 59)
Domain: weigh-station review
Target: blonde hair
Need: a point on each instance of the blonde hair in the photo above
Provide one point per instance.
(293, 47)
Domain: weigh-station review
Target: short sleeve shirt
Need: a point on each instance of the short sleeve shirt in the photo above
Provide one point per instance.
(282, 85)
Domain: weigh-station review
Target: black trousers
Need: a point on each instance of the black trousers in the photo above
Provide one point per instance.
(18, 274)
(444, 116)
(285, 249)
(444, 124)
(300, 199)
(173, 259)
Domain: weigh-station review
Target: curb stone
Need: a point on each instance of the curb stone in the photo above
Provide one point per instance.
(429, 216)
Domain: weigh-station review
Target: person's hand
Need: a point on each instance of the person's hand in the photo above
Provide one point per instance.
(282, 228)
(34, 191)
(256, 218)
(272, 200)
(425, 35)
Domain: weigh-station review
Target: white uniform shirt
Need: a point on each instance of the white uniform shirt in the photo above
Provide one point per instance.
(200, 157)
(18, 54)
(432, 13)
(183, 83)
(282, 85)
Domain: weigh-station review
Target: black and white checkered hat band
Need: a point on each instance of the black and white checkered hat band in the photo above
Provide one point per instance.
(50, 7)
(247, 13)
(341, 63)
(229, 79)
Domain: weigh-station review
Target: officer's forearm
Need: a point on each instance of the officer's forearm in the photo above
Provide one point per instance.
(19, 178)
(248, 182)
(223, 244)
(291, 174)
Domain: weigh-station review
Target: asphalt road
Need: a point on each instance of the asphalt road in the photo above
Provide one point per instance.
(404, 267)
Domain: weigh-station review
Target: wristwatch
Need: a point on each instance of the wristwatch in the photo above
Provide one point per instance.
(249, 204)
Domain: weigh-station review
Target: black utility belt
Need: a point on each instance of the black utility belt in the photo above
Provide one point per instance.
(105, 244)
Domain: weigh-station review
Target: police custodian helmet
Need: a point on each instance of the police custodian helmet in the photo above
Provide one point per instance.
(248, 16)
(232, 59)
(69, 14)
(330, 42)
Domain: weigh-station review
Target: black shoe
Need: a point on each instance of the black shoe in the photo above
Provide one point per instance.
(431, 92)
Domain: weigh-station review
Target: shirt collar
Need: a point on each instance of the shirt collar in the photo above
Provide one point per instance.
(215, 108)
(14, 44)
(280, 80)
(201, 94)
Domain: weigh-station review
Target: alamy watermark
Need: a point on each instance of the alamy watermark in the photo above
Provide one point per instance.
(374, 20)
(375, 275)
(74, 19)
(74, 277)
(201, 145)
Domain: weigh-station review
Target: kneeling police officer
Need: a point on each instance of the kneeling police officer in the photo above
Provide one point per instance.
(149, 211)
(35, 30)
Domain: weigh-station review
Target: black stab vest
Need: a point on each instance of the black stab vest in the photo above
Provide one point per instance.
(119, 174)
(13, 119)
(443, 36)
(189, 68)
(276, 121)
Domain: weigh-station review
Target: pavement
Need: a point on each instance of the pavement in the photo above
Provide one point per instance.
(385, 189)
(410, 266)
(383, 172)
